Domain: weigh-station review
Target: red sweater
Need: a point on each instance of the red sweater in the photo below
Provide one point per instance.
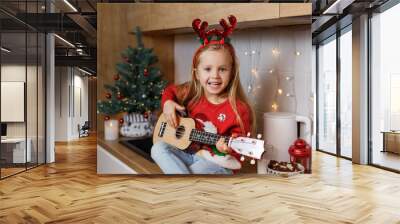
(214, 118)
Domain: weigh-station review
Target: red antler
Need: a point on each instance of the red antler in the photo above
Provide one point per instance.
(228, 29)
(200, 29)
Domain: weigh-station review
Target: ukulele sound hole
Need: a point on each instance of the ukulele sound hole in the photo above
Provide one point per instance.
(180, 130)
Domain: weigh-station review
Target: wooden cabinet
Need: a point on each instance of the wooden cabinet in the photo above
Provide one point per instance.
(391, 141)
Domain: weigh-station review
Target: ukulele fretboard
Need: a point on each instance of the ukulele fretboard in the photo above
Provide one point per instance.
(206, 137)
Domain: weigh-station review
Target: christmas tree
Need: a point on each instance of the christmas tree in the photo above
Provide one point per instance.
(138, 84)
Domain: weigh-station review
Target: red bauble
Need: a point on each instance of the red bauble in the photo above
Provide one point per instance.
(106, 118)
(119, 96)
(145, 115)
(116, 77)
(108, 95)
(121, 121)
(146, 72)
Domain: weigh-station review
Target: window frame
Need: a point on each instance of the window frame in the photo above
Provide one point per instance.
(334, 37)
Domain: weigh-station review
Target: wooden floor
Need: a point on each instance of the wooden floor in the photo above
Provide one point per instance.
(70, 191)
(5, 172)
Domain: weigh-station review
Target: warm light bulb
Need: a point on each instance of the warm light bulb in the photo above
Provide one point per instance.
(280, 91)
(288, 77)
(271, 71)
(274, 106)
(253, 52)
(253, 71)
(249, 89)
(298, 53)
(245, 53)
(289, 95)
(275, 51)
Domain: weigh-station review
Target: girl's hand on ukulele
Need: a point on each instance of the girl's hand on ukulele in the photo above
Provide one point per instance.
(169, 111)
(222, 146)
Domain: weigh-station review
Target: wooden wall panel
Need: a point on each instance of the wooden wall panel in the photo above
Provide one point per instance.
(160, 22)
(294, 10)
(92, 107)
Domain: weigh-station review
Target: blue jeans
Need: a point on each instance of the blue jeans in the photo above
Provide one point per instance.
(175, 161)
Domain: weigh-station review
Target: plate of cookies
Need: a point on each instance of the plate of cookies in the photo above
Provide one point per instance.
(284, 169)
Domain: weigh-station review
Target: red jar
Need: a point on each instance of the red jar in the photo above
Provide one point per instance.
(300, 152)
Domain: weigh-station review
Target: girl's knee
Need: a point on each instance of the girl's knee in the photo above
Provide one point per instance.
(158, 149)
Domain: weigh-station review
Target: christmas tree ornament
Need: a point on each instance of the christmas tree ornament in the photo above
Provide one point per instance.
(146, 72)
(126, 59)
(145, 115)
(106, 118)
(121, 121)
(108, 95)
(119, 96)
(116, 77)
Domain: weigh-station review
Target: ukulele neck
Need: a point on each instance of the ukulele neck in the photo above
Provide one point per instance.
(206, 137)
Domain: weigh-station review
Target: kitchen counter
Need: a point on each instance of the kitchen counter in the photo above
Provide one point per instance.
(127, 156)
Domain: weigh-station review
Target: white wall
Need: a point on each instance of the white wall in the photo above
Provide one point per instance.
(79, 117)
(13, 73)
(71, 93)
(272, 67)
(33, 126)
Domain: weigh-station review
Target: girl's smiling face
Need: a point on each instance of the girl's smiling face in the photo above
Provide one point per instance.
(214, 72)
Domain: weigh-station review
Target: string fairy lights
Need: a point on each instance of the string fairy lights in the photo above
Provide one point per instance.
(283, 81)
(253, 54)
(284, 96)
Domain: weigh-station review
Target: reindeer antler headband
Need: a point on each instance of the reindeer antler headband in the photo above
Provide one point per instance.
(222, 36)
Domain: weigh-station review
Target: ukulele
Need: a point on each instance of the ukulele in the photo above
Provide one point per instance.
(186, 132)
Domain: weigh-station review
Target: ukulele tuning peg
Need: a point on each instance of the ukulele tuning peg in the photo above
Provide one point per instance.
(259, 136)
(252, 162)
(248, 134)
(242, 158)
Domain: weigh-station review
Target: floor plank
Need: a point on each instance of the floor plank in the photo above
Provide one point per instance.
(70, 191)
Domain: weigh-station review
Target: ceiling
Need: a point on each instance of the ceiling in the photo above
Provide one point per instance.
(78, 24)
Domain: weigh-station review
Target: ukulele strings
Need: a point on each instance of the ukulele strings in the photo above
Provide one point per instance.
(180, 134)
(170, 132)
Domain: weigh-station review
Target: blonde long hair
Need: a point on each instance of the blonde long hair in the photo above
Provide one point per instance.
(192, 91)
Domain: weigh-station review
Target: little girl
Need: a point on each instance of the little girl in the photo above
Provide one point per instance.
(215, 100)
